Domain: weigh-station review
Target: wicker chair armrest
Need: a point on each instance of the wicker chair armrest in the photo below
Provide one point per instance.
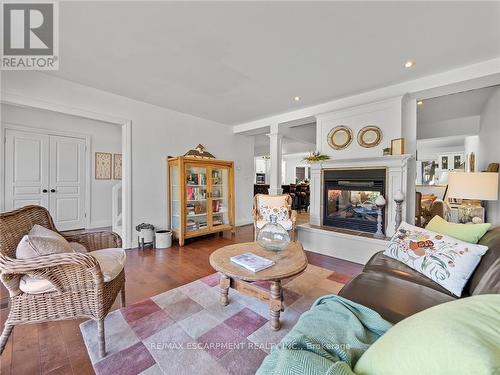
(66, 271)
(95, 240)
(21, 266)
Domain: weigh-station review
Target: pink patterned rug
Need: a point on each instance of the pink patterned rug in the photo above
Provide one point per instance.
(187, 331)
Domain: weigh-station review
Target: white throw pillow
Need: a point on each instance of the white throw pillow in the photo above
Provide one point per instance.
(41, 241)
(446, 260)
(78, 247)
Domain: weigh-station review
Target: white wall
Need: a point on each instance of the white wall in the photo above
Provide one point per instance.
(156, 133)
(432, 153)
(471, 144)
(292, 162)
(457, 126)
(384, 114)
(104, 138)
(489, 137)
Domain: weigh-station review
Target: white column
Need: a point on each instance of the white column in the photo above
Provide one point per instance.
(275, 140)
(315, 188)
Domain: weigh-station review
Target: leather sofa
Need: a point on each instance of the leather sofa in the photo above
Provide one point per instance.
(396, 291)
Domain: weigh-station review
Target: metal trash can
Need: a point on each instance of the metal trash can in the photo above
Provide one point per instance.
(163, 239)
(146, 235)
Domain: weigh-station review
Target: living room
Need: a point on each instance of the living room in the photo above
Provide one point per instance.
(185, 139)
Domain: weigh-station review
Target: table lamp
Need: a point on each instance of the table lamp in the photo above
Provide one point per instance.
(478, 186)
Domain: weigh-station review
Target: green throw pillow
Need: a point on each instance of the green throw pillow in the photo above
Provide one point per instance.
(466, 232)
(455, 338)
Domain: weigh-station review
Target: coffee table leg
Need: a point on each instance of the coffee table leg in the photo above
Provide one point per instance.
(224, 289)
(275, 305)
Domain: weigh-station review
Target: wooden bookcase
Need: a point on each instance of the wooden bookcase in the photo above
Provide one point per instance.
(200, 196)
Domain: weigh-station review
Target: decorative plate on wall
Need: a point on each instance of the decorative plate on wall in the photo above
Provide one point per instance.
(369, 136)
(340, 137)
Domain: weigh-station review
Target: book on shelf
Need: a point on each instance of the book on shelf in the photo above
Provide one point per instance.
(252, 262)
(216, 222)
(196, 179)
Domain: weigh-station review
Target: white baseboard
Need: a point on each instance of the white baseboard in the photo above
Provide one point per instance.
(244, 221)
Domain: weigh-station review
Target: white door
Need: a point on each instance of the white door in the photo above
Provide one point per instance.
(49, 171)
(67, 182)
(26, 169)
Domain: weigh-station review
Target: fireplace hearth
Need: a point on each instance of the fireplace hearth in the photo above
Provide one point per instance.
(349, 198)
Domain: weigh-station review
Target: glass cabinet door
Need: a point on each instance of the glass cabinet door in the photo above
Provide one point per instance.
(175, 197)
(196, 198)
(219, 196)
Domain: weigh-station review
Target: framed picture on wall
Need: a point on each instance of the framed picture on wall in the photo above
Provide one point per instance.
(444, 162)
(103, 162)
(398, 146)
(117, 166)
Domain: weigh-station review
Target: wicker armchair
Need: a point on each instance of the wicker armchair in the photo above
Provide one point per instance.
(274, 201)
(80, 288)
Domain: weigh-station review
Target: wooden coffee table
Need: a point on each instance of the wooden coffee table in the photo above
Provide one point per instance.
(289, 262)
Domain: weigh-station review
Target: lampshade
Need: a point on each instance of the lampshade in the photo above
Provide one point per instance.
(473, 185)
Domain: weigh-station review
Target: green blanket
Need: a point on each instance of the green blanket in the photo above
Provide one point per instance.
(327, 339)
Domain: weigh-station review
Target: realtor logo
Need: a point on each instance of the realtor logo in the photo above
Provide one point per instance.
(30, 36)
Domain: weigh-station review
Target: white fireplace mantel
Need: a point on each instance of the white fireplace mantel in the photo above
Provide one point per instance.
(396, 167)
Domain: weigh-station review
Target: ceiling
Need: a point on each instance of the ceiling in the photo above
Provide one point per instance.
(239, 61)
(454, 106)
(297, 139)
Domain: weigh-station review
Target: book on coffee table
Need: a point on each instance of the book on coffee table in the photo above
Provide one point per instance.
(252, 262)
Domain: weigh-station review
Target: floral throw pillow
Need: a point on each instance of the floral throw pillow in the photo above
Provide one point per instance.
(446, 260)
(266, 212)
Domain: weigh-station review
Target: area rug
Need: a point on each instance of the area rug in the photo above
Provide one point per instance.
(186, 330)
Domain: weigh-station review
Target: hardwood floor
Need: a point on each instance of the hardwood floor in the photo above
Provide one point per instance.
(58, 348)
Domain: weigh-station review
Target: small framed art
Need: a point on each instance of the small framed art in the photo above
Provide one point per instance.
(117, 166)
(103, 162)
(398, 146)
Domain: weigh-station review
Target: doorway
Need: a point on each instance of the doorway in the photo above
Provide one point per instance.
(47, 170)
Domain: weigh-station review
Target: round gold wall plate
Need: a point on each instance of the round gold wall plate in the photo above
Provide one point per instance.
(369, 136)
(340, 137)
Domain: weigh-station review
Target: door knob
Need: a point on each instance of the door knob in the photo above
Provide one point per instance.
(44, 190)
(52, 190)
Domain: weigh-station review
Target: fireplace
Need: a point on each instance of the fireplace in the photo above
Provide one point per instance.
(349, 198)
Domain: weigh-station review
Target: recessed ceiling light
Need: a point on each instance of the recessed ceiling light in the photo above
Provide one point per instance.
(296, 98)
(409, 64)
(420, 102)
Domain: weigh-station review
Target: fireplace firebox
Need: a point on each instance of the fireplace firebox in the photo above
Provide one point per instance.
(349, 198)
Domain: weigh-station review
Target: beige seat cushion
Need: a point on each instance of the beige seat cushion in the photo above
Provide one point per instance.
(110, 260)
(287, 224)
(41, 241)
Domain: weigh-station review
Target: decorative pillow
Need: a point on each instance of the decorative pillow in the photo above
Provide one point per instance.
(446, 260)
(466, 232)
(265, 212)
(460, 338)
(78, 247)
(41, 241)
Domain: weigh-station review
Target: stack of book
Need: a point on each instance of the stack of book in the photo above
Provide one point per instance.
(191, 225)
(217, 221)
(252, 262)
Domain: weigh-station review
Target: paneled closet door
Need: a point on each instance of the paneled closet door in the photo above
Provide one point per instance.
(67, 182)
(26, 169)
